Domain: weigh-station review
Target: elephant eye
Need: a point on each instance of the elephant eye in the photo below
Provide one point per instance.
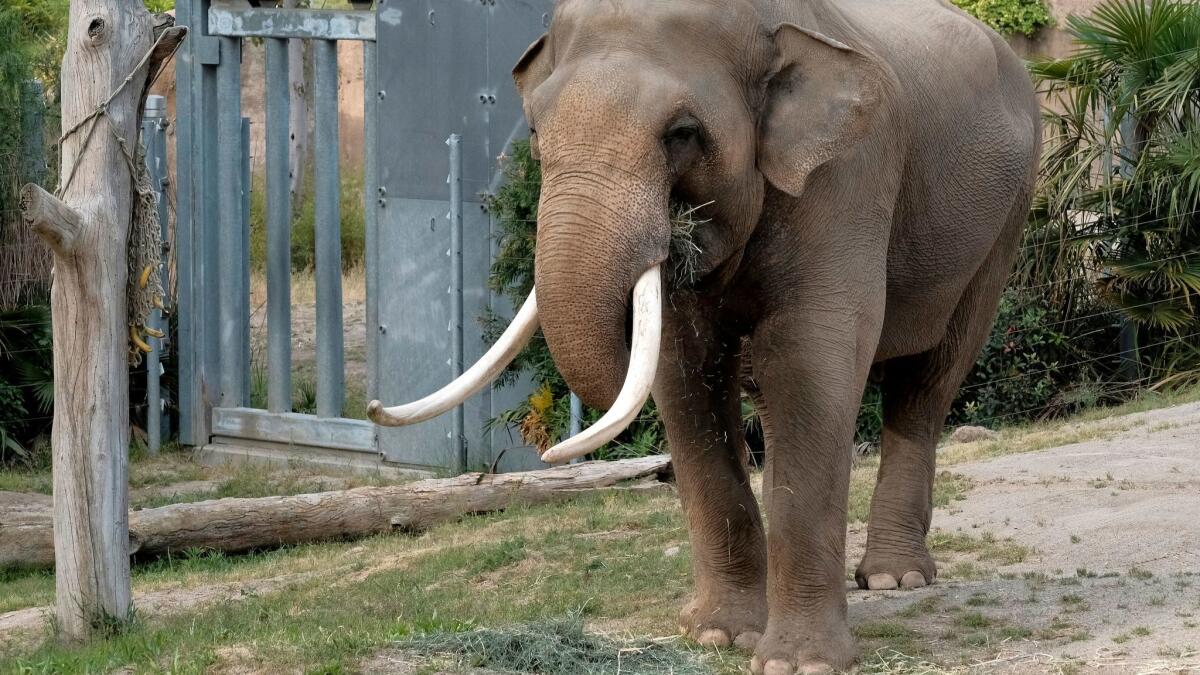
(683, 143)
(682, 131)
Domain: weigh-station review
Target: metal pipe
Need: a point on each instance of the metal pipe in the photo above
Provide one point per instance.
(576, 416)
(244, 175)
(279, 229)
(458, 433)
(372, 200)
(576, 421)
(327, 179)
(234, 295)
(153, 142)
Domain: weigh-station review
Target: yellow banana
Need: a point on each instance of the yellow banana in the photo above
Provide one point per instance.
(152, 332)
(137, 340)
(145, 278)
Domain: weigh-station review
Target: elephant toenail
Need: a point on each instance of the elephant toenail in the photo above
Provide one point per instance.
(814, 668)
(748, 640)
(714, 637)
(881, 582)
(756, 666)
(778, 667)
(912, 579)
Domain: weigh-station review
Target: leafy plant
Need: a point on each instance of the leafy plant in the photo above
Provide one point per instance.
(1008, 17)
(26, 382)
(1120, 189)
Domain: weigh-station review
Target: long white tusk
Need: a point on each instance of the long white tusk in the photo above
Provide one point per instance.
(643, 361)
(511, 342)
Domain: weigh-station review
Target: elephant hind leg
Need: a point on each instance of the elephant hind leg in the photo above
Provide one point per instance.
(917, 393)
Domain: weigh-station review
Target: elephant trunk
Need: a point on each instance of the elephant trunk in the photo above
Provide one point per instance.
(598, 232)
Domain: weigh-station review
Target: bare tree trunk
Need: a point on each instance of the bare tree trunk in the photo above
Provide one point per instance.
(298, 116)
(88, 231)
(248, 523)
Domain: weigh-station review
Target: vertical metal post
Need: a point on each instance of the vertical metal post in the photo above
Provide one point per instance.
(153, 139)
(576, 421)
(279, 229)
(244, 173)
(576, 416)
(373, 200)
(458, 442)
(196, 235)
(33, 132)
(327, 179)
(234, 299)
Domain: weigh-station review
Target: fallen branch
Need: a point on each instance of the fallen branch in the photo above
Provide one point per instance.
(240, 524)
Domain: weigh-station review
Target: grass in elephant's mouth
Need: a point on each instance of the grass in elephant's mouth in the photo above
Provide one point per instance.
(683, 261)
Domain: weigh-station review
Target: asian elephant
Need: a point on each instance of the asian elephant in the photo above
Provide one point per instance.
(865, 169)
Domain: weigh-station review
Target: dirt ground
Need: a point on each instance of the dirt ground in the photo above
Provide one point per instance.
(1111, 579)
(1083, 557)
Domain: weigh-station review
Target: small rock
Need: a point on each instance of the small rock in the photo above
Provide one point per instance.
(970, 434)
(356, 550)
(671, 552)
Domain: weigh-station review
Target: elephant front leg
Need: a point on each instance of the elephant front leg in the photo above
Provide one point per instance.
(697, 393)
(811, 374)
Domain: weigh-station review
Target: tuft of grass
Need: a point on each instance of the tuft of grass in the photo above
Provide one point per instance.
(974, 620)
(556, 645)
(982, 600)
(985, 548)
(1140, 574)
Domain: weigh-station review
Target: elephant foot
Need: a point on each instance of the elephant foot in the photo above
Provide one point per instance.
(884, 572)
(737, 620)
(802, 649)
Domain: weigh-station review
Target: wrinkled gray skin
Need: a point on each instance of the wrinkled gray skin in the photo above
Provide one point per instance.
(869, 165)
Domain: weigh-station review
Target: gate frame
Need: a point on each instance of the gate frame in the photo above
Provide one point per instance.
(213, 224)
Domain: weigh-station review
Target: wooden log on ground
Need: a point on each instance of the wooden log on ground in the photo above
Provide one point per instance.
(239, 524)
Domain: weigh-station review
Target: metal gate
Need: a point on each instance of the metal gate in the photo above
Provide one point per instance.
(432, 70)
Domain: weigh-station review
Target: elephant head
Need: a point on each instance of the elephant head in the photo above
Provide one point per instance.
(634, 105)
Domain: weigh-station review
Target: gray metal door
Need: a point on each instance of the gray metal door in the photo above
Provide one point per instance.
(444, 69)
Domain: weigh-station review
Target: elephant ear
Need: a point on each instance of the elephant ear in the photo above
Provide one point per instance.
(821, 99)
(532, 69)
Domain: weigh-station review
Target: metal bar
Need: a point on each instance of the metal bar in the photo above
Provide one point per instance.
(208, 194)
(294, 429)
(576, 415)
(33, 132)
(244, 175)
(373, 200)
(233, 300)
(317, 24)
(576, 421)
(162, 180)
(327, 179)
(187, 303)
(458, 442)
(279, 230)
(152, 140)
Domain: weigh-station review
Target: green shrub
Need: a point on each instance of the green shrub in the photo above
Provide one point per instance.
(352, 219)
(1008, 17)
(26, 383)
(1121, 172)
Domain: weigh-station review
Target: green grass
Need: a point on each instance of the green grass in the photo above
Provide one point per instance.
(498, 571)
(985, 548)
